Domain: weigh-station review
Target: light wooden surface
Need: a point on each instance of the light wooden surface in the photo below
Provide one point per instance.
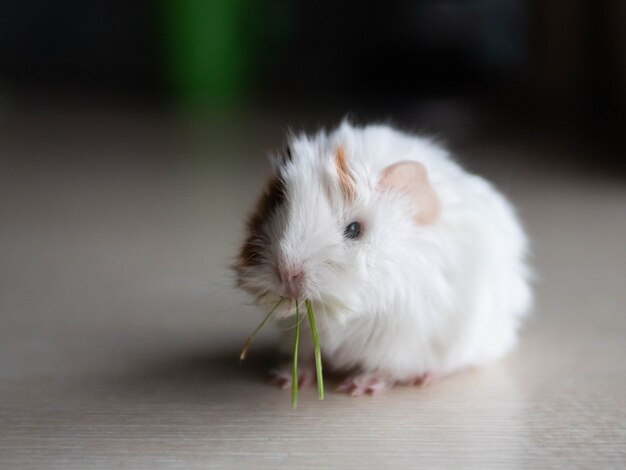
(119, 331)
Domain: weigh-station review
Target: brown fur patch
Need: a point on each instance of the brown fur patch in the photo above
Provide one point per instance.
(346, 182)
(251, 253)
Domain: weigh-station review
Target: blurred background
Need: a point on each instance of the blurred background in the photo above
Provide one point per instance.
(133, 140)
(557, 65)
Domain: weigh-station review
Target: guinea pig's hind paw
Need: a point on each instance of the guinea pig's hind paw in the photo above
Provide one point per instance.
(365, 384)
(282, 376)
(424, 380)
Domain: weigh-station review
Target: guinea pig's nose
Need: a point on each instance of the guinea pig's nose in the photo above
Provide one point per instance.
(291, 283)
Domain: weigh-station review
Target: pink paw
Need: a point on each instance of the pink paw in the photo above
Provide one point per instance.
(424, 380)
(281, 376)
(365, 384)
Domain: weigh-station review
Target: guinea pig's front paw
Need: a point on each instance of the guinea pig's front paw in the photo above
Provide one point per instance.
(282, 375)
(365, 384)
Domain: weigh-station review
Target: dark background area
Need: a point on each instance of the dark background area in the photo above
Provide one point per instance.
(524, 65)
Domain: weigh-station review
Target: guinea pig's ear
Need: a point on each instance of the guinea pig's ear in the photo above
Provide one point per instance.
(411, 178)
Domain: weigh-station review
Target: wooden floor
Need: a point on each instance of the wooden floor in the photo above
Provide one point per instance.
(119, 328)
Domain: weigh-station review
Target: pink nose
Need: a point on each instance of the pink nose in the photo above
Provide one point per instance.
(291, 283)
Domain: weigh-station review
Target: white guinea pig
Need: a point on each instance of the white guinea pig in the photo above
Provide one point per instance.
(415, 267)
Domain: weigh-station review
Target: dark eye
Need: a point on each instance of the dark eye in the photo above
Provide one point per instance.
(353, 230)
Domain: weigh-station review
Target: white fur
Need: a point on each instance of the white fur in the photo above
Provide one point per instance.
(404, 299)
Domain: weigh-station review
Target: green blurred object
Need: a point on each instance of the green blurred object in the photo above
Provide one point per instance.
(206, 51)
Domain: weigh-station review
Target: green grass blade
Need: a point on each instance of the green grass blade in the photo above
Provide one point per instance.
(246, 345)
(294, 377)
(318, 352)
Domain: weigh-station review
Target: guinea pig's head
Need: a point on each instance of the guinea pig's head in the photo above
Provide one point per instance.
(334, 227)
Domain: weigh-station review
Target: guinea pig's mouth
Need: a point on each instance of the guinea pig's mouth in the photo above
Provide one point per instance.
(286, 307)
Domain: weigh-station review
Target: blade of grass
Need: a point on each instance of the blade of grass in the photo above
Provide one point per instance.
(246, 345)
(318, 352)
(294, 377)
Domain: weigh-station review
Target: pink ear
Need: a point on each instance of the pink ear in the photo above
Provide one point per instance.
(412, 179)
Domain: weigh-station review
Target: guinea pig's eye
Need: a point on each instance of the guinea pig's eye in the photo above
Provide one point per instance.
(352, 231)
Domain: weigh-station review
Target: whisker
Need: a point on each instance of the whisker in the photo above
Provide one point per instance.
(325, 319)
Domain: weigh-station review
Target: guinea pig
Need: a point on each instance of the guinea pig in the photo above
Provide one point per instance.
(416, 267)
